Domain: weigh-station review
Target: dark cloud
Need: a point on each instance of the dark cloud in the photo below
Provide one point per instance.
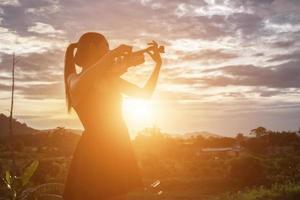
(283, 44)
(37, 91)
(285, 75)
(252, 3)
(32, 77)
(270, 93)
(42, 91)
(5, 87)
(40, 62)
(293, 56)
(258, 54)
(37, 75)
(17, 18)
(247, 24)
(128, 19)
(196, 27)
(131, 19)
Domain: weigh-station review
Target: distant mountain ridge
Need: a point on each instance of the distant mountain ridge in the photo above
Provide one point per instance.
(18, 127)
(75, 131)
(203, 134)
(22, 128)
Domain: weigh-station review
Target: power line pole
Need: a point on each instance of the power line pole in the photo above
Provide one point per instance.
(11, 134)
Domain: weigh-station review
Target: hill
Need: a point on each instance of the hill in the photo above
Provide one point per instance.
(75, 131)
(202, 133)
(18, 127)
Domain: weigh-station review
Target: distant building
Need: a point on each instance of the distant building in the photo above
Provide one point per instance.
(230, 151)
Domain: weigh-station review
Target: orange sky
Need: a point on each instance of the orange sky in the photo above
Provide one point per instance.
(229, 66)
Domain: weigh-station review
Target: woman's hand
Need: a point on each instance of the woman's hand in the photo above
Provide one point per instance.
(119, 66)
(156, 52)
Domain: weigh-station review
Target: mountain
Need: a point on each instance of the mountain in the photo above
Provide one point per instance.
(18, 127)
(202, 133)
(75, 131)
(22, 128)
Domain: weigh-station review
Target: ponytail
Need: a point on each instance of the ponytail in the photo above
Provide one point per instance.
(69, 69)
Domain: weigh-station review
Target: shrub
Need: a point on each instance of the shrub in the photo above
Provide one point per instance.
(246, 170)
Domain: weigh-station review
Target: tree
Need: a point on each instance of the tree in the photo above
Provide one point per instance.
(259, 131)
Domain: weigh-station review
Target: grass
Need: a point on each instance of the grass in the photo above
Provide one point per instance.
(289, 191)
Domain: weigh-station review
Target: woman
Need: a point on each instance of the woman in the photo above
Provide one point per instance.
(103, 164)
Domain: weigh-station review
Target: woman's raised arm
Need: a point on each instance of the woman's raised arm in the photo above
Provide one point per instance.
(79, 83)
(147, 91)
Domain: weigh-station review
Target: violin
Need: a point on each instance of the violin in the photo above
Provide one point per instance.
(133, 59)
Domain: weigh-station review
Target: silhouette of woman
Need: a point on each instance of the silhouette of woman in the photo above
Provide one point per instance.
(103, 164)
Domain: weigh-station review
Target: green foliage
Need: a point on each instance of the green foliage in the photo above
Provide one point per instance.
(289, 191)
(16, 184)
(28, 172)
(246, 170)
(184, 170)
(8, 178)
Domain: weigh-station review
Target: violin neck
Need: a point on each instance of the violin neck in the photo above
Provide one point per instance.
(140, 51)
(161, 50)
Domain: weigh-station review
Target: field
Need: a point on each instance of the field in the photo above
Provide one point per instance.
(263, 166)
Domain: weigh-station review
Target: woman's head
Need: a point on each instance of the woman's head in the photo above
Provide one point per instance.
(90, 48)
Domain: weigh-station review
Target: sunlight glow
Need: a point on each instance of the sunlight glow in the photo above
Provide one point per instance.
(137, 110)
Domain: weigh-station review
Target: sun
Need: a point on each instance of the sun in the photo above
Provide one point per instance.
(137, 110)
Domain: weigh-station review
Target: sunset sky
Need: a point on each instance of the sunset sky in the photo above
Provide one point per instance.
(229, 66)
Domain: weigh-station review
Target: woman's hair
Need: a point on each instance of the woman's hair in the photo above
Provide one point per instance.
(69, 69)
(84, 57)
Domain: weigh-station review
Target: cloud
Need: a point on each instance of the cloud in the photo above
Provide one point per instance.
(284, 44)
(43, 28)
(247, 24)
(258, 54)
(42, 91)
(286, 75)
(37, 62)
(18, 18)
(5, 87)
(293, 56)
(9, 3)
(37, 75)
(209, 55)
(43, 8)
(37, 91)
(252, 46)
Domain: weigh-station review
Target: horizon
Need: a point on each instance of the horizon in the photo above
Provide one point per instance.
(204, 133)
(229, 67)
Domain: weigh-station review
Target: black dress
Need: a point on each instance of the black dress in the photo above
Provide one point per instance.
(103, 164)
